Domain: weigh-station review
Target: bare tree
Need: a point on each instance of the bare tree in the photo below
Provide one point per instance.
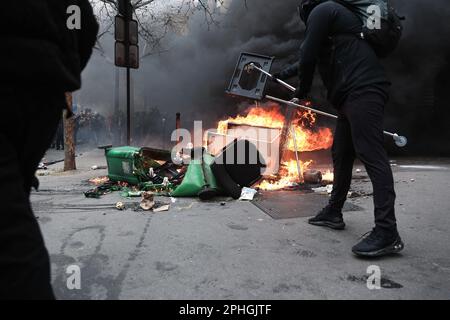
(69, 136)
(156, 18)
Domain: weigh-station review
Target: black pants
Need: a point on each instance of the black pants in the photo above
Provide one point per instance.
(28, 122)
(359, 133)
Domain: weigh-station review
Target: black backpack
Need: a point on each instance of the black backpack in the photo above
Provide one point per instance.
(383, 40)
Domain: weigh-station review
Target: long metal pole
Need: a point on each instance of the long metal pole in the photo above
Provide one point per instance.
(399, 140)
(128, 107)
(117, 135)
(296, 105)
(128, 15)
(284, 84)
(299, 169)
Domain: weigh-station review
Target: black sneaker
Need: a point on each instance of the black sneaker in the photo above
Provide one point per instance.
(379, 243)
(328, 218)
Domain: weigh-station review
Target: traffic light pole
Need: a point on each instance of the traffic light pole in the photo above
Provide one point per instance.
(128, 107)
(127, 57)
(127, 38)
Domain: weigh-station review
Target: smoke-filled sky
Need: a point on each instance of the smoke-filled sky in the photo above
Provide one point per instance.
(192, 75)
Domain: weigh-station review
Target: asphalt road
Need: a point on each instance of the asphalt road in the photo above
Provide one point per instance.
(235, 251)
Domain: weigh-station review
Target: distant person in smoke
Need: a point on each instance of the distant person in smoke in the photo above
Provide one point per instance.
(60, 136)
(41, 60)
(359, 89)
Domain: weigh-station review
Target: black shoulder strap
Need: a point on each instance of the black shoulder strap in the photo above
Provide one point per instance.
(345, 4)
(352, 9)
(348, 6)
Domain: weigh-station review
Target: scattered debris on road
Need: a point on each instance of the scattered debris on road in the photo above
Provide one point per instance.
(148, 200)
(324, 190)
(98, 167)
(248, 194)
(99, 180)
(161, 208)
(312, 176)
(120, 206)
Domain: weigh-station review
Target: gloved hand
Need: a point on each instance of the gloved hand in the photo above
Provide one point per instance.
(304, 102)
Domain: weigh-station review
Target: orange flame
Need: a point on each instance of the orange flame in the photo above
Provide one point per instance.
(269, 117)
(308, 136)
(328, 176)
(288, 175)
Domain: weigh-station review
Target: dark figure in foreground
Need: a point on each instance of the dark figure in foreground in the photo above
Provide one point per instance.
(358, 88)
(42, 59)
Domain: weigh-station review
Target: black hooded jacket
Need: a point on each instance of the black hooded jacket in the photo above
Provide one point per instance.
(345, 61)
(38, 51)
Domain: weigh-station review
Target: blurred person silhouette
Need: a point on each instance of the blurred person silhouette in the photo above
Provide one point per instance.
(42, 58)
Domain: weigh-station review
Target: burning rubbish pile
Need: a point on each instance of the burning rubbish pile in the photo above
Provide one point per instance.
(206, 173)
(244, 152)
(309, 137)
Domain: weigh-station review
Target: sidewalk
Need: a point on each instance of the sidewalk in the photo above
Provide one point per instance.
(235, 251)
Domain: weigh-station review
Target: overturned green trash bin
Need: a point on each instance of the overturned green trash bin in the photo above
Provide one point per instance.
(193, 181)
(128, 164)
(198, 180)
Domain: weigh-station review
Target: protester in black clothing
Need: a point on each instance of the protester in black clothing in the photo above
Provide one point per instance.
(41, 60)
(358, 88)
